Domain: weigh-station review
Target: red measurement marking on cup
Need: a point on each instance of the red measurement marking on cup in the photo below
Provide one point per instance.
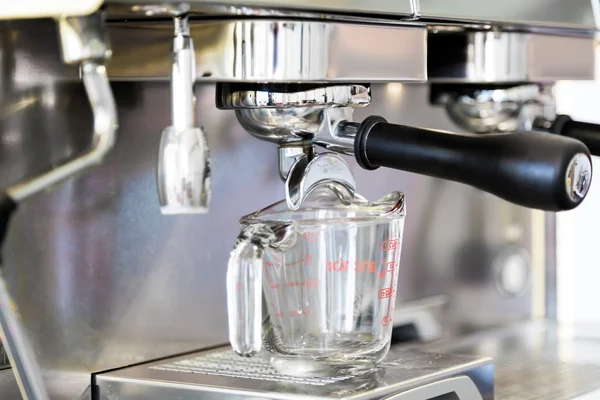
(337, 266)
(386, 320)
(308, 259)
(279, 314)
(272, 284)
(311, 237)
(297, 313)
(389, 245)
(369, 266)
(385, 293)
(292, 284)
(365, 266)
(391, 266)
(295, 263)
(312, 283)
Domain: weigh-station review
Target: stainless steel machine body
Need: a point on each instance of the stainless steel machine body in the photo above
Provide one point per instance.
(101, 283)
(104, 281)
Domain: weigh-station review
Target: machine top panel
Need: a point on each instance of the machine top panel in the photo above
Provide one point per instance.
(264, 50)
(575, 14)
(549, 14)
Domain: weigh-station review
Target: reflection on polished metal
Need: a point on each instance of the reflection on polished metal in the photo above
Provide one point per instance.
(101, 101)
(495, 109)
(220, 374)
(84, 38)
(88, 47)
(282, 125)
(329, 128)
(276, 51)
(559, 14)
(19, 349)
(327, 169)
(325, 122)
(507, 57)
(354, 53)
(184, 158)
(105, 124)
(233, 97)
(579, 177)
(512, 271)
(555, 14)
(289, 8)
(288, 155)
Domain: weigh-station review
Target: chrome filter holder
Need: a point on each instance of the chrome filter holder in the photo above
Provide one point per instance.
(495, 108)
(297, 117)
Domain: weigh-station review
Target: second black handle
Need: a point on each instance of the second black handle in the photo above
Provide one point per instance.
(534, 170)
(585, 132)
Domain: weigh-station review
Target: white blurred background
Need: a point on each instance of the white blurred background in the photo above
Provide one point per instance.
(578, 231)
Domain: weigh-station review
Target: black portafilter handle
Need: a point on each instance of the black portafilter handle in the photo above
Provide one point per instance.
(585, 132)
(535, 170)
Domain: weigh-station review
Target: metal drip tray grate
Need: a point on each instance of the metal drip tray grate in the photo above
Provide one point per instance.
(227, 363)
(548, 379)
(220, 374)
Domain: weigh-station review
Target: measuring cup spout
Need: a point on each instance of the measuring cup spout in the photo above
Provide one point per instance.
(244, 289)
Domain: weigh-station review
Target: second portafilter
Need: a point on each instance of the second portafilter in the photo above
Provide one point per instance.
(183, 159)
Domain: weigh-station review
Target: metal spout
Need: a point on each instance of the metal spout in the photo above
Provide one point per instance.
(184, 157)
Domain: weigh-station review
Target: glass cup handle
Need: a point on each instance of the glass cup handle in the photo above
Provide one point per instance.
(244, 289)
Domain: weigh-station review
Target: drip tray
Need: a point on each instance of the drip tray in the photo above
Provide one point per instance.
(220, 374)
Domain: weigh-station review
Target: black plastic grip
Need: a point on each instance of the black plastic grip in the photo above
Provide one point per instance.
(7, 208)
(585, 132)
(526, 168)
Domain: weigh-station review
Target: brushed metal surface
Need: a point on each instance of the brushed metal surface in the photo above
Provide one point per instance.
(198, 375)
(230, 50)
(536, 360)
(575, 14)
(275, 51)
(504, 57)
(579, 14)
(358, 53)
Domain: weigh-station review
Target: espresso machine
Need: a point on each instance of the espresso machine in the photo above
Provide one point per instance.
(201, 112)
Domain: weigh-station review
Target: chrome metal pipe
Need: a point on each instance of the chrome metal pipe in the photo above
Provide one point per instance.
(183, 76)
(183, 172)
(105, 124)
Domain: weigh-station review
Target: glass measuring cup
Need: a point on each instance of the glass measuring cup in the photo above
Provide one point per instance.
(327, 273)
